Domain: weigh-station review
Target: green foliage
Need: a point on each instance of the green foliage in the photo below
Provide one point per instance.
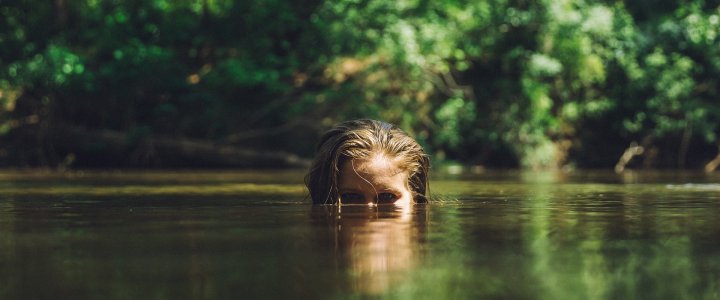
(500, 83)
(451, 116)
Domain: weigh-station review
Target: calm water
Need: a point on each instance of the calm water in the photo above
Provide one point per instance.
(249, 235)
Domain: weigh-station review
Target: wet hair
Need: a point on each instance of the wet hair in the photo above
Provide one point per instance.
(361, 139)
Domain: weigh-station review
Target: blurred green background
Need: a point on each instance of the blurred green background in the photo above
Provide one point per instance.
(492, 83)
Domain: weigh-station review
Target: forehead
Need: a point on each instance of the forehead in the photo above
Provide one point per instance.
(378, 170)
(377, 163)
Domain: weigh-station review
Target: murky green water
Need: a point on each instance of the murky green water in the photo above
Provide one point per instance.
(250, 235)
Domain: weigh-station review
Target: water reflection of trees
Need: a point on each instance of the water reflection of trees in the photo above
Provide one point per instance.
(375, 248)
(622, 242)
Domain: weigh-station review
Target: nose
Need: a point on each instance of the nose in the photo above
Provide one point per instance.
(370, 199)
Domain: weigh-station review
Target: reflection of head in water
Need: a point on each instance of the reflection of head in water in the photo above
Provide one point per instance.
(375, 248)
(364, 161)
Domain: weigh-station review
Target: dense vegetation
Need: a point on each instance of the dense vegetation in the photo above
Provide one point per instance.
(499, 83)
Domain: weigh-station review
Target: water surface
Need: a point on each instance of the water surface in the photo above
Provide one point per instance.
(225, 234)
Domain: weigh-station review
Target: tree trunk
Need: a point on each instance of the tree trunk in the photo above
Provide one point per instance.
(713, 164)
(61, 15)
(182, 151)
(685, 143)
(631, 151)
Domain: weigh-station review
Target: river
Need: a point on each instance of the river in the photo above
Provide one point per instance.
(252, 235)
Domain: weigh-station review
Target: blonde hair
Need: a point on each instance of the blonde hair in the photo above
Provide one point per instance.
(361, 139)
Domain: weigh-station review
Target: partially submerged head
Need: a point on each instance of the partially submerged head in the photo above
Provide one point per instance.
(368, 161)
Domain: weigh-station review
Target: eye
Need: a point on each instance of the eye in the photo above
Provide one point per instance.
(386, 198)
(352, 198)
